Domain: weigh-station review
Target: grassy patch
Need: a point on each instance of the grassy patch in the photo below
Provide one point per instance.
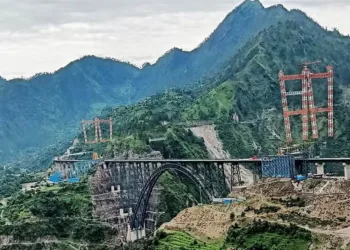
(274, 241)
(214, 104)
(181, 241)
(265, 235)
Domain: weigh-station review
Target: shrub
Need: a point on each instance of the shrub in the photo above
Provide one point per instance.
(232, 216)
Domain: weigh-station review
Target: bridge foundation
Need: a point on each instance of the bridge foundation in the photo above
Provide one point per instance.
(136, 234)
(346, 171)
(320, 168)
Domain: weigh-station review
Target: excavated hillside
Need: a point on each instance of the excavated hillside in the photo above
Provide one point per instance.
(315, 205)
(216, 151)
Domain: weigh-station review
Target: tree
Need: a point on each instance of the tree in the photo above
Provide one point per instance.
(232, 216)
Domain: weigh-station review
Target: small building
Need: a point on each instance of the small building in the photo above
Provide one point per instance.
(228, 201)
(218, 200)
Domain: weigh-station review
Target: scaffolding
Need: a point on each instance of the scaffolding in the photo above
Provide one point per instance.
(278, 166)
(308, 105)
(98, 132)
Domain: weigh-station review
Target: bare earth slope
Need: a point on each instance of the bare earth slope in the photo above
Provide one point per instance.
(319, 206)
(216, 151)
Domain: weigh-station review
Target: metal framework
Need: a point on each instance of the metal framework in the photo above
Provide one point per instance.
(139, 215)
(73, 169)
(308, 105)
(278, 166)
(98, 132)
(135, 179)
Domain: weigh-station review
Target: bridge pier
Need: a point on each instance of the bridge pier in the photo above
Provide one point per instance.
(235, 176)
(135, 234)
(346, 171)
(320, 168)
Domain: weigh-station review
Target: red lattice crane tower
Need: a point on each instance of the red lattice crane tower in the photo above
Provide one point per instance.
(308, 105)
(98, 132)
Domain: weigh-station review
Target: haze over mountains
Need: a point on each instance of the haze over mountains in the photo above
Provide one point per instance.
(37, 112)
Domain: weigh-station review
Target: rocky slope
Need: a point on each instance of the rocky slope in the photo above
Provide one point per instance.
(216, 151)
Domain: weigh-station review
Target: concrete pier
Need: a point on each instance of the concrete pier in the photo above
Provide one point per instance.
(320, 168)
(346, 171)
(133, 235)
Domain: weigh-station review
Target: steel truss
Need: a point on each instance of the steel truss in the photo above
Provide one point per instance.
(98, 132)
(308, 105)
(136, 180)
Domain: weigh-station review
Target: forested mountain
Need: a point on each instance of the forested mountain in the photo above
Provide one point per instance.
(35, 113)
(249, 87)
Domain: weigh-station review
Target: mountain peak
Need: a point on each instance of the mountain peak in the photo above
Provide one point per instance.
(251, 4)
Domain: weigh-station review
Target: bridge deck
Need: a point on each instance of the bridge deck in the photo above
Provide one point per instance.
(239, 161)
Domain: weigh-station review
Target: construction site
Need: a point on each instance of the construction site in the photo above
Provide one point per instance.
(291, 186)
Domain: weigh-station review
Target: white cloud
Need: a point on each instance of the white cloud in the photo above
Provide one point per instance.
(42, 36)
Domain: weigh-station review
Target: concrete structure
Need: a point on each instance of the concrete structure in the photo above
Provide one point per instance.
(133, 235)
(118, 184)
(320, 168)
(346, 171)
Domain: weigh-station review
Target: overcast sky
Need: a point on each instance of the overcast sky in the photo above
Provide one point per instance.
(44, 35)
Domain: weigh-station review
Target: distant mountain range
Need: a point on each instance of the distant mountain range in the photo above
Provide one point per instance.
(35, 113)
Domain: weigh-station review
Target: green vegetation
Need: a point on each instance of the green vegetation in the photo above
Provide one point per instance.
(246, 85)
(263, 209)
(11, 183)
(302, 219)
(260, 235)
(291, 201)
(65, 214)
(84, 87)
(156, 117)
(264, 235)
(177, 193)
(214, 105)
(174, 240)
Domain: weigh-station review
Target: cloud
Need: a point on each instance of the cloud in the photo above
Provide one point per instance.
(42, 35)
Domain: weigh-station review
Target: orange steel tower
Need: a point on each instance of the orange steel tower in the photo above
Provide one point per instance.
(98, 132)
(308, 105)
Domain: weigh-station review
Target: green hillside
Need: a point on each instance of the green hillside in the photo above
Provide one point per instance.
(253, 82)
(41, 114)
(247, 86)
(57, 217)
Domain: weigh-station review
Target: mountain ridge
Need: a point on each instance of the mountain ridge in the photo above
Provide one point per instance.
(37, 112)
(247, 5)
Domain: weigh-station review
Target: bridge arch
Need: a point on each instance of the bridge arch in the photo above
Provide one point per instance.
(139, 214)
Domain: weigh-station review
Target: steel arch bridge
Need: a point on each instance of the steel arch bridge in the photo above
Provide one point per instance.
(118, 185)
(121, 188)
(140, 209)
